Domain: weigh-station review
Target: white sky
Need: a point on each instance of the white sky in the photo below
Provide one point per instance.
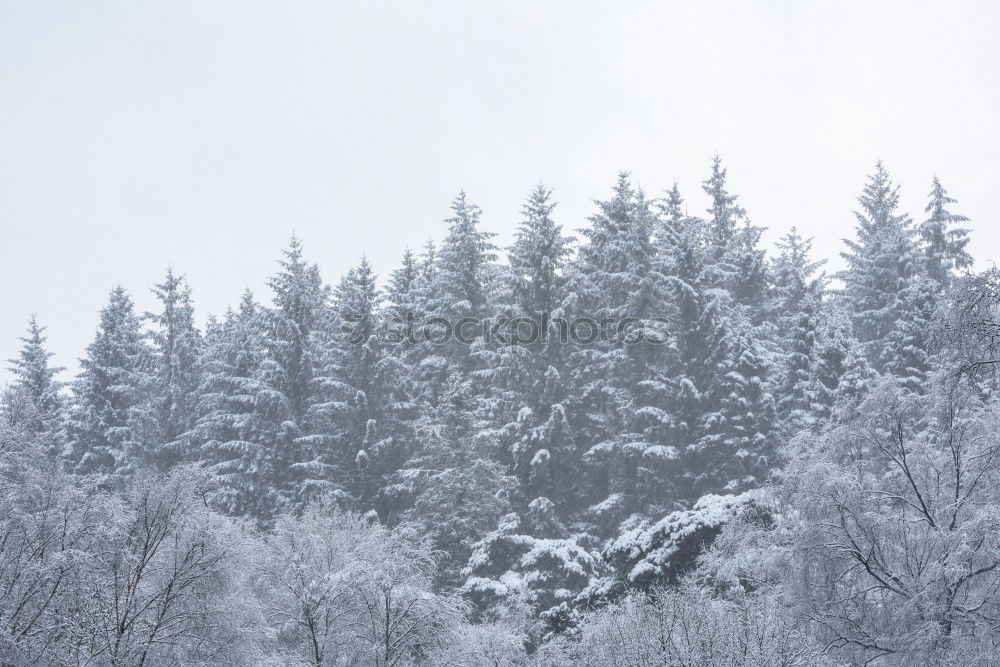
(201, 134)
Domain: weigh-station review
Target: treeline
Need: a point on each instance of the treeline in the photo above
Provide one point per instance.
(549, 490)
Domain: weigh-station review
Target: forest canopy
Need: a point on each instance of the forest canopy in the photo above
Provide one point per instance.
(654, 443)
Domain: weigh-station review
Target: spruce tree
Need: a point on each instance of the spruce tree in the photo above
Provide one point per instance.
(37, 380)
(740, 265)
(799, 293)
(944, 243)
(616, 386)
(880, 262)
(725, 215)
(177, 346)
(459, 489)
(456, 299)
(33, 374)
(359, 405)
(111, 393)
(239, 415)
(299, 302)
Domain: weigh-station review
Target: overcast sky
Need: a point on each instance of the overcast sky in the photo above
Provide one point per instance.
(136, 135)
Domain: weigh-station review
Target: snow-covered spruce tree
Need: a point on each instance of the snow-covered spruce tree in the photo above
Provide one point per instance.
(465, 268)
(176, 348)
(905, 352)
(798, 301)
(525, 374)
(459, 488)
(464, 279)
(880, 263)
(533, 560)
(887, 286)
(405, 306)
(299, 299)
(944, 243)
(452, 297)
(37, 379)
(522, 366)
(740, 266)
(725, 215)
(239, 415)
(359, 406)
(616, 386)
(736, 451)
(110, 396)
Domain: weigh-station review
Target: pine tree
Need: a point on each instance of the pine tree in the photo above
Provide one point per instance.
(176, 344)
(459, 489)
(299, 301)
(880, 263)
(799, 293)
(464, 265)
(37, 379)
(944, 243)
(359, 406)
(455, 300)
(725, 214)
(111, 393)
(616, 387)
(33, 374)
(239, 415)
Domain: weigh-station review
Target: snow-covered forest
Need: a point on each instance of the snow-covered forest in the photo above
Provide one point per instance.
(654, 442)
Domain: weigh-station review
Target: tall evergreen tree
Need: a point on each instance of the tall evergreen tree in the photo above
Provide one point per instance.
(616, 385)
(33, 374)
(111, 393)
(725, 215)
(299, 302)
(455, 300)
(799, 293)
(881, 262)
(36, 378)
(460, 490)
(944, 243)
(176, 345)
(740, 265)
(239, 415)
(526, 374)
(359, 406)
(465, 265)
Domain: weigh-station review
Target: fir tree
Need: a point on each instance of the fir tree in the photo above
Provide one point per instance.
(36, 379)
(33, 374)
(359, 406)
(617, 387)
(176, 344)
(299, 299)
(239, 415)
(944, 243)
(724, 214)
(799, 293)
(111, 393)
(459, 489)
(880, 263)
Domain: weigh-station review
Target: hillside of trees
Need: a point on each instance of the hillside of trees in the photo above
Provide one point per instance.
(651, 443)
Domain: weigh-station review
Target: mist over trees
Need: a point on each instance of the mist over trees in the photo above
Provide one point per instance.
(652, 444)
